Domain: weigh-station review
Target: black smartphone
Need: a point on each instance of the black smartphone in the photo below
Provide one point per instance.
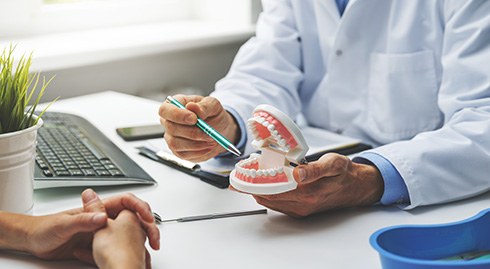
(142, 132)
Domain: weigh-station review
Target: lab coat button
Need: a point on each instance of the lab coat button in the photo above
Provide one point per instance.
(338, 52)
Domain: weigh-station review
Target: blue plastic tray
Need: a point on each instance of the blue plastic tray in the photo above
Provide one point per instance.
(462, 244)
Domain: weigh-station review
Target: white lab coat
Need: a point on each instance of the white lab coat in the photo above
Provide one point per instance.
(412, 77)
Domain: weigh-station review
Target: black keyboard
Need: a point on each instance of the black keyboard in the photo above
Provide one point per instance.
(73, 152)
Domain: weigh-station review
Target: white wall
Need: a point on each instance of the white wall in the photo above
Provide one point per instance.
(141, 59)
(145, 76)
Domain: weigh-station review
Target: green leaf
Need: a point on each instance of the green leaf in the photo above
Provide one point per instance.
(19, 94)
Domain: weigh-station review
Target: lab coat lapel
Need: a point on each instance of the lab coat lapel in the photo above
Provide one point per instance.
(328, 7)
(328, 19)
(349, 5)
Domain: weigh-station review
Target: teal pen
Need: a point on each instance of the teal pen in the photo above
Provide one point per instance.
(225, 143)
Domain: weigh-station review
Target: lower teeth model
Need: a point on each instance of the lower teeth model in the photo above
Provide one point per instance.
(281, 143)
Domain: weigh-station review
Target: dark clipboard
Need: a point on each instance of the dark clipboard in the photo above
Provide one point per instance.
(220, 181)
(223, 181)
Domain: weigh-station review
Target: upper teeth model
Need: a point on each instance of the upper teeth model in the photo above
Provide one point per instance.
(281, 143)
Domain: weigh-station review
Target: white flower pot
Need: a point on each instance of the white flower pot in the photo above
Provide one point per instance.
(17, 157)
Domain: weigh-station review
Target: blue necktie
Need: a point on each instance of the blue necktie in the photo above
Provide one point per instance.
(341, 4)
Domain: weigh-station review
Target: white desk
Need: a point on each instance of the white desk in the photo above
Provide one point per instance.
(331, 240)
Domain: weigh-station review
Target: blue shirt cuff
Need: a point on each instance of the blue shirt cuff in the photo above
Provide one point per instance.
(395, 190)
(243, 132)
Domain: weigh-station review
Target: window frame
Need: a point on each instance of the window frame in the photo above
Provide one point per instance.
(34, 17)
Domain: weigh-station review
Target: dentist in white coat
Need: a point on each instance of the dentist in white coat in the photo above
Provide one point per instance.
(412, 78)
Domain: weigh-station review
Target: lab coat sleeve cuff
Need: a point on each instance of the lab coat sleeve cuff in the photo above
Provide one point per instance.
(395, 190)
(243, 133)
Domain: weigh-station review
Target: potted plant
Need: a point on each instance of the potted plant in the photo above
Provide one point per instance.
(19, 98)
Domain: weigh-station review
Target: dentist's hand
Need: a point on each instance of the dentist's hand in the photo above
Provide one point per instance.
(185, 139)
(332, 182)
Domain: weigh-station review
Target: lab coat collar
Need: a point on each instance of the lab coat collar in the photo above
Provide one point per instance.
(332, 9)
(349, 5)
(329, 25)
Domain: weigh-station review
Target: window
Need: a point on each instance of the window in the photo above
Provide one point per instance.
(73, 33)
(62, 1)
(32, 17)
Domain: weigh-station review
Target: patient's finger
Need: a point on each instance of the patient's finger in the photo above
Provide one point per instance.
(92, 202)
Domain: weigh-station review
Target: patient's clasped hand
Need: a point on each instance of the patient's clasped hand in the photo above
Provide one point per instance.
(109, 233)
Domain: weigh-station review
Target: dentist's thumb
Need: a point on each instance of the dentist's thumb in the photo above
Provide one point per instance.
(329, 165)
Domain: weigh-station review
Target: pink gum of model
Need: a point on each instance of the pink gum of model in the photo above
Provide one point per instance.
(281, 143)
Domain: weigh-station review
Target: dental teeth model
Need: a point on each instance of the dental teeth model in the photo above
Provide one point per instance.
(281, 143)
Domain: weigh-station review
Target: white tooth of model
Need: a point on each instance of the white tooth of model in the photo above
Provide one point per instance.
(282, 142)
(276, 153)
(271, 128)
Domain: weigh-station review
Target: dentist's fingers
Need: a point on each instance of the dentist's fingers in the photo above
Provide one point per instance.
(200, 156)
(190, 132)
(207, 107)
(329, 165)
(170, 112)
